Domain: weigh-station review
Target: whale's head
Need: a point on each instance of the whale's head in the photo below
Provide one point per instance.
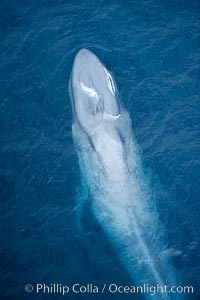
(93, 91)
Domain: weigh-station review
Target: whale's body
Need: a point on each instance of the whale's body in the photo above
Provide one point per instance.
(110, 164)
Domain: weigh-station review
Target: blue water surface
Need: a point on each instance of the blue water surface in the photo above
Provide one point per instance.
(152, 49)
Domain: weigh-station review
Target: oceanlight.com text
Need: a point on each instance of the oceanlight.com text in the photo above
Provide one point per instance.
(112, 288)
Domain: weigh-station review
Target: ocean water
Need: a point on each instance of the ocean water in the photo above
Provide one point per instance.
(152, 49)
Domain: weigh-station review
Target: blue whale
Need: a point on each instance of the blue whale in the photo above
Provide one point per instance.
(111, 168)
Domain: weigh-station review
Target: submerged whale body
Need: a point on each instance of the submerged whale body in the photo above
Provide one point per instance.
(110, 165)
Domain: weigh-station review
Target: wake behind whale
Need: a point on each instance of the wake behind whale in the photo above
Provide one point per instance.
(111, 168)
